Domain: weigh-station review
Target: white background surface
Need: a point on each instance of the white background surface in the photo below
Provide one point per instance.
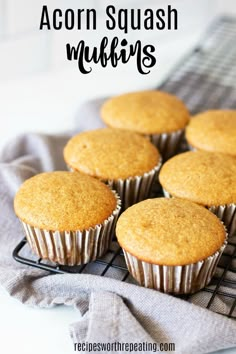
(39, 91)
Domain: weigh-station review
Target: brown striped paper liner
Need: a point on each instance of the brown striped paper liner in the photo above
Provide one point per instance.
(73, 247)
(133, 189)
(226, 213)
(185, 279)
(167, 143)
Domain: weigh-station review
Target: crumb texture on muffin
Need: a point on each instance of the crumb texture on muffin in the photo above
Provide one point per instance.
(145, 112)
(64, 201)
(169, 232)
(202, 177)
(213, 131)
(111, 154)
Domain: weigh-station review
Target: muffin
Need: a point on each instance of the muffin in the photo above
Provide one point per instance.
(204, 178)
(213, 131)
(160, 116)
(67, 217)
(171, 245)
(126, 161)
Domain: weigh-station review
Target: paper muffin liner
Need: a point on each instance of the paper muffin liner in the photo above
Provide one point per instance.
(226, 213)
(73, 247)
(167, 143)
(133, 189)
(185, 279)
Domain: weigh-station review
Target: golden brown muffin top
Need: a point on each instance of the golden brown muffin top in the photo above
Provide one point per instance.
(170, 232)
(64, 201)
(203, 177)
(213, 131)
(145, 112)
(111, 154)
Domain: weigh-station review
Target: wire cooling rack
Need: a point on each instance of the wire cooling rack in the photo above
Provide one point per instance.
(206, 79)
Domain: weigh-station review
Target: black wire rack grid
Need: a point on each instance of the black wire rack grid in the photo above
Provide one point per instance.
(206, 79)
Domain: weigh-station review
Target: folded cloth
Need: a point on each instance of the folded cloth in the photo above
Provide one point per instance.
(110, 311)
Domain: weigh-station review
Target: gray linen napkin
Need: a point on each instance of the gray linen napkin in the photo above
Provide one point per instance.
(109, 310)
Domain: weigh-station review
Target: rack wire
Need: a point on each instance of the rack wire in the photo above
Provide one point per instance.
(206, 79)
